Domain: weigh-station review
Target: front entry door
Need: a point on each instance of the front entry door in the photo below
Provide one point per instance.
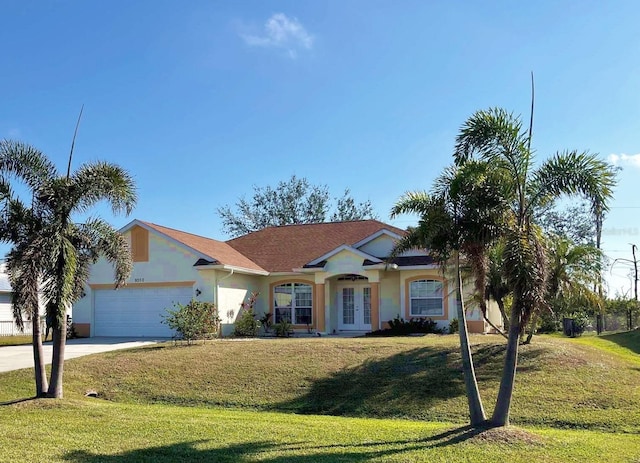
(354, 303)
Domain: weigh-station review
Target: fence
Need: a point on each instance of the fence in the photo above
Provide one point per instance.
(613, 322)
(9, 328)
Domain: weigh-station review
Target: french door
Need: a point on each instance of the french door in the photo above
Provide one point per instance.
(354, 307)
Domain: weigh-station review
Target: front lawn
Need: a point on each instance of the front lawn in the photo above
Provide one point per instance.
(576, 400)
(561, 383)
(94, 431)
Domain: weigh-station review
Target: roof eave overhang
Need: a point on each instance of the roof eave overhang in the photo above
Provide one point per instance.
(234, 268)
(420, 267)
(382, 266)
(308, 269)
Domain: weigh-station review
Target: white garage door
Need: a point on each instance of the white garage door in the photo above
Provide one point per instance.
(136, 311)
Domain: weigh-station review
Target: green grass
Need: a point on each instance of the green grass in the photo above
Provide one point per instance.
(15, 340)
(624, 345)
(96, 431)
(383, 399)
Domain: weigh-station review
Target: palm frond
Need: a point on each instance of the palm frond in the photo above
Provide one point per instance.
(493, 134)
(99, 181)
(102, 239)
(412, 202)
(525, 270)
(59, 279)
(25, 162)
(23, 269)
(573, 173)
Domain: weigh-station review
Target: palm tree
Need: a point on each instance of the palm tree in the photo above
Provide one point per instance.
(498, 138)
(23, 227)
(66, 249)
(453, 223)
(573, 272)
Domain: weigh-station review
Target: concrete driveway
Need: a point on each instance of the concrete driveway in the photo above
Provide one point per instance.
(18, 357)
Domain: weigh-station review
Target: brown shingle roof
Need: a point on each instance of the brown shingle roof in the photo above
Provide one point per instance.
(216, 250)
(281, 249)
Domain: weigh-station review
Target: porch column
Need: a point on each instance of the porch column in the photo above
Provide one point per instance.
(319, 307)
(375, 306)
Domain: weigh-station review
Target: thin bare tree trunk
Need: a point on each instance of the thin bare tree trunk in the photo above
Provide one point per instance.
(532, 327)
(492, 325)
(57, 362)
(38, 355)
(503, 403)
(503, 312)
(476, 410)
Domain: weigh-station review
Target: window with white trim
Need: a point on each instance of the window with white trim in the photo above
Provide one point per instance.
(425, 298)
(293, 302)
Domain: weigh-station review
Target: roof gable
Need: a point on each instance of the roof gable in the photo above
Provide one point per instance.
(218, 252)
(338, 250)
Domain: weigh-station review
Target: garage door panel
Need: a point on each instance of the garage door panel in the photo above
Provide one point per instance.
(136, 311)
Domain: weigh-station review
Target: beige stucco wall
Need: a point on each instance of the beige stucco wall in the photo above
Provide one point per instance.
(344, 262)
(390, 306)
(379, 247)
(168, 263)
(232, 290)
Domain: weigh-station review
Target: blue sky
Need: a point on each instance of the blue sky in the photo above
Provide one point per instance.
(201, 100)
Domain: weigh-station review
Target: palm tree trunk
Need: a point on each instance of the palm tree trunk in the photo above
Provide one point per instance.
(38, 356)
(476, 410)
(57, 362)
(503, 403)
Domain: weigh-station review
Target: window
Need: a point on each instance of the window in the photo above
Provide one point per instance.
(293, 302)
(425, 298)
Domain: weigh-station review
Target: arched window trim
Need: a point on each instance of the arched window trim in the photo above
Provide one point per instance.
(300, 311)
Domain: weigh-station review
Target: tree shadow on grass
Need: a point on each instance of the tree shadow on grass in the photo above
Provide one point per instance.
(405, 384)
(383, 387)
(17, 401)
(296, 452)
(628, 339)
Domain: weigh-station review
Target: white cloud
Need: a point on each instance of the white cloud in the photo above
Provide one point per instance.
(632, 160)
(281, 31)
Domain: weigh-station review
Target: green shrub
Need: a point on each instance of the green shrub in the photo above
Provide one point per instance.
(266, 322)
(196, 320)
(283, 329)
(247, 325)
(580, 322)
(548, 323)
(400, 327)
(454, 326)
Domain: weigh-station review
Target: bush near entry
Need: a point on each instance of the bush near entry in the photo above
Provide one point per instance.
(401, 327)
(195, 320)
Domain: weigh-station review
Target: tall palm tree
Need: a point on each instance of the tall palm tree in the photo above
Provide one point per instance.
(67, 249)
(453, 223)
(22, 227)
(498, 137)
